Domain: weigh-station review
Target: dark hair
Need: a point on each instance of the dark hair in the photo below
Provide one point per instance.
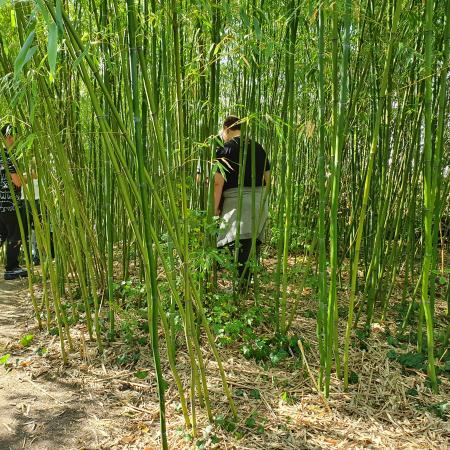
(8, 130)
(232, 123)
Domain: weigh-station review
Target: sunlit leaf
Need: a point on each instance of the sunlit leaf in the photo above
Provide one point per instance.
(4, 359)
(25, 54)
(52, 48)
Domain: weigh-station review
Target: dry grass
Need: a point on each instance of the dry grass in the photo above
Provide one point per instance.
(120, 411)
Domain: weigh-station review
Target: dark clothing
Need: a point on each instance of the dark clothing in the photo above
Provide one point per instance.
(229, 156)
(245, 245)
(232, 159)
(9, 223)
(10, 232)
(6, 201)
(32, 228)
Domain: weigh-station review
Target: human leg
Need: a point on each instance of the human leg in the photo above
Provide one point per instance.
(3, 230)
(245, 271)
(34, 247)
(243, 255)
(12, 269)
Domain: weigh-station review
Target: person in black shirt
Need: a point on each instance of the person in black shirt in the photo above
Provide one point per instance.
(242, 190)
(9, 224)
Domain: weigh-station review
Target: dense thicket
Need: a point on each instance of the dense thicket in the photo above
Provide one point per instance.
(119, 103)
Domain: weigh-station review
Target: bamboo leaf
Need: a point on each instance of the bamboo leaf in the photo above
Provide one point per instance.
(30, 54)
(13, 18)
(43, 10)
(52, 47)
(80, 57)
(257, 28)
(59, 19)
(244, 17)
(24, 54)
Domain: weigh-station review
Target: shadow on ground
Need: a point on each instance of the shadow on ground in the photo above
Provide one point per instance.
(40, 415)
(13, 309)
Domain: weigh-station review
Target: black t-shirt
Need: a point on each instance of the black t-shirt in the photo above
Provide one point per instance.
(229, 157)
(6, 202)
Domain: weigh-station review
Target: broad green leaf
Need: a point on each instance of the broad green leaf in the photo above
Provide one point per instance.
(43, 10)
(21, 58)
(30, 54)
(4, 359)
(244, 17)
(42, 351)
(52, 47)
(141, 374)
(353, 378)
(59, 19)
(257, 27)
(254, 393)
(250, 422)
(26, 340)
(80, 57)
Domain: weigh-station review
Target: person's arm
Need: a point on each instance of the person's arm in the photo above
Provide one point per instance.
(218, 188)
(16, 180)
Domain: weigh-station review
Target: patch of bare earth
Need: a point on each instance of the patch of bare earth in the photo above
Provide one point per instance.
(93, 403)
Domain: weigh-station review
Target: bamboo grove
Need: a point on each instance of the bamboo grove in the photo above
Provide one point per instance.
(119, 103)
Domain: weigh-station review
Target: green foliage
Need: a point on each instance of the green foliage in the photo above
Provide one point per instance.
(141, 374)
(412, 392)
(441, 410)
(229, 324)
(54, 331)
(288, 398)
(42, 351)
(26, 340)
(250, 422)
(411, 360)
(52, 47)
(128, 359)
(353, 378)
(275, 349)
(4, 359)
(226, 423)
(255, 394)
(85, 132)
(200, 444)
(362, 336)
(131, 292)
(208, 440)
(25, 54)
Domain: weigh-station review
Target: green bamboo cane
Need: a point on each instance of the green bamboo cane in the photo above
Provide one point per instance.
(290, 85)
(427, 190)
(362, 215)
(152, 292)
(338, 139)
(322, 310)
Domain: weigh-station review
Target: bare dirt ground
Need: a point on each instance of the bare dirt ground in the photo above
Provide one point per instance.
(92, 403)
(36, 411)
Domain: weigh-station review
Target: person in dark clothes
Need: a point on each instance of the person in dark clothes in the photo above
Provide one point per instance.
(251, 194)
(9, 224)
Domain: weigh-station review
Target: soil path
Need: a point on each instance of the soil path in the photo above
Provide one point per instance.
(35, 412)
(94, 403)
